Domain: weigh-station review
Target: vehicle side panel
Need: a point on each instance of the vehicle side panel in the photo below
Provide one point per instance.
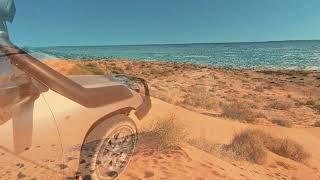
(74, 121)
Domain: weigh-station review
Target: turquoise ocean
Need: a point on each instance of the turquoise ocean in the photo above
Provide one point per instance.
(298, 55)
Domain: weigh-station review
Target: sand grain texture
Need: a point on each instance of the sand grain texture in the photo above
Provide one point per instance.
(198, 97)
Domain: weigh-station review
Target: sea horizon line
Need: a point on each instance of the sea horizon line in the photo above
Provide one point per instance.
(163, 44)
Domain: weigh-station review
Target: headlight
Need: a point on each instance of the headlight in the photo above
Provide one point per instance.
(135, 83)
(122, 79)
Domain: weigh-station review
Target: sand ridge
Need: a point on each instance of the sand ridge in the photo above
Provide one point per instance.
(192, 163)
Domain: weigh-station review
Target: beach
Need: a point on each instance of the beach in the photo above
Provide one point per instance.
(214, 104)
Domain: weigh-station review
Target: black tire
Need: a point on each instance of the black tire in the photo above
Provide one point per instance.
(108, 148)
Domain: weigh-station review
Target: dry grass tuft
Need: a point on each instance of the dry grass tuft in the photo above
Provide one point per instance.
(294, 178)
(282, 122)
(199, 97)
(88, 69)
(248, 145)
(316, 106)
(289, 149)
(129, 67)
(280, 105)
(239, 111)
(164, 134)
(204, 145)
(317, 124)
(78, 70)
(160, 71)
(251, 144)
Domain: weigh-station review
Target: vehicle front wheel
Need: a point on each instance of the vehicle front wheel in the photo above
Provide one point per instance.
(108, 148)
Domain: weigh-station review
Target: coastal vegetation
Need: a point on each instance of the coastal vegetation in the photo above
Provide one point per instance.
(317, 124)
(259, 97)
(282, 122)
(239, 111)
(316, 106)
(164, 133)
(280, 105)
(252, 144)
(249, 144)
(86, 69)
(199, 96)
(284, 97)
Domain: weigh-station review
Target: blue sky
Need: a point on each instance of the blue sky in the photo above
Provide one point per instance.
(117, 22)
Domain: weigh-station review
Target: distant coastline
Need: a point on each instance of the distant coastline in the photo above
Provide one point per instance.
(187, 43)
(290, 54)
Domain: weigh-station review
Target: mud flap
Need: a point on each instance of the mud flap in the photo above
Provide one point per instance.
(23, 125)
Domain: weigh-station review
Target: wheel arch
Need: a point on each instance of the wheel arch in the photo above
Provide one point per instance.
(124, 111)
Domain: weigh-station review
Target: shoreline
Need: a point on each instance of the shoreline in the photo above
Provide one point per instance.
(307, 69)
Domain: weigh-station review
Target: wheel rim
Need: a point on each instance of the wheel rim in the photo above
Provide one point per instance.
(115, 153)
